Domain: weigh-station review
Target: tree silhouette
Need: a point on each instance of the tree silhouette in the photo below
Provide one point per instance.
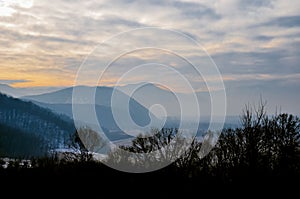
(84, 142)
(262, 146)
(160, 147)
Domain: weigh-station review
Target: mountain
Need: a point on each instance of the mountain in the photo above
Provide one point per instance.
(63, 96)
(19, 92)
(149, 94)
(146, 95)
(25, 126)
(103, 96)
(141, 99)
(15, 142)
(10, 90)
(105, 118)
(61, 102)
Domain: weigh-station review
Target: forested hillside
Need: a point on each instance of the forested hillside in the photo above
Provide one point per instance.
(27, 129)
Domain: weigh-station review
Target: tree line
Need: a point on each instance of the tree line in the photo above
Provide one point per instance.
(263, 149)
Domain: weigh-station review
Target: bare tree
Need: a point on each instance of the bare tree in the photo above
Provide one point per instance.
(161, 147)
(91, 140)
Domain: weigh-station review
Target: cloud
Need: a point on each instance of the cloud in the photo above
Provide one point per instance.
(195, 10)
(261, 77)
(12, 81)
(257, 41)
(263, 38)
(7, 8)
(285, 22)
(255, 3)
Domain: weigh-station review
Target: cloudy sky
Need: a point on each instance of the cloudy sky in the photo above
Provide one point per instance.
(255, 44)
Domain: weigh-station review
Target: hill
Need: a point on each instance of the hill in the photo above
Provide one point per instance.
(24, 123)
(61, 102)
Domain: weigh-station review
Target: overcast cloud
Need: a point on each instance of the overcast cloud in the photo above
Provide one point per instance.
(254, 43)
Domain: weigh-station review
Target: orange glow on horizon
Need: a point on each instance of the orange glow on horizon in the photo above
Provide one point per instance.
(33, 80)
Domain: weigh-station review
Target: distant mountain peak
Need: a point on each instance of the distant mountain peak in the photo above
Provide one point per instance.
(5, 85)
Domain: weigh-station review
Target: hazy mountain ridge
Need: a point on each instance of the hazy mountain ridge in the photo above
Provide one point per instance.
(19, 92)
(108, 125)
(147, 95)
(140, 103)
(61, 102)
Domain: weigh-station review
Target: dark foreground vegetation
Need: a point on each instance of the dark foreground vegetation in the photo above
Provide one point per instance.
(262, 154)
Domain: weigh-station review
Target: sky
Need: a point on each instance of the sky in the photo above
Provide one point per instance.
(255, 44)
